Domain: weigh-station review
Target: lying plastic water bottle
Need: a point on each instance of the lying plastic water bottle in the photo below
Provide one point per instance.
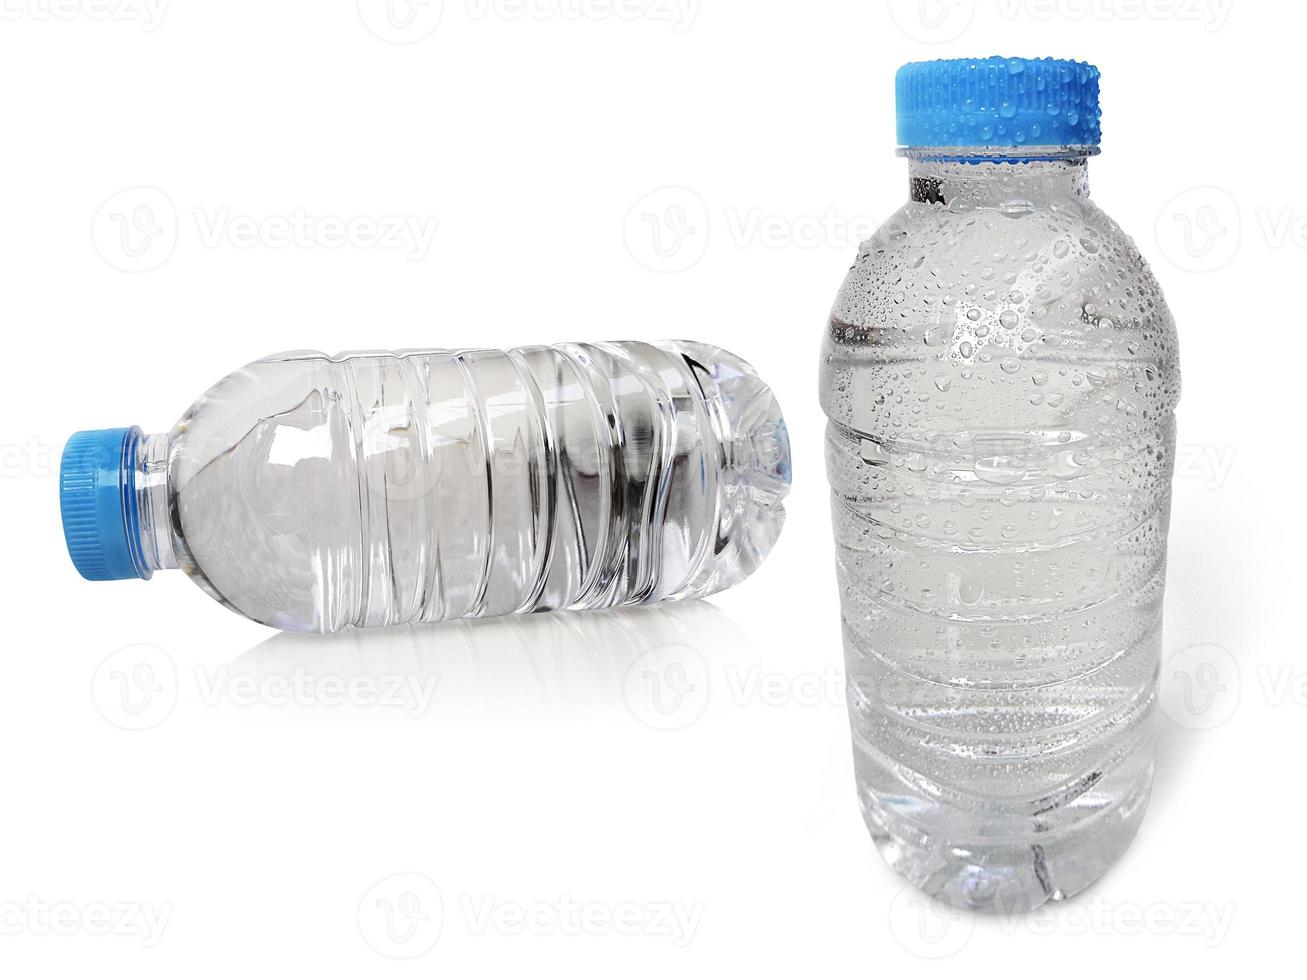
(313, 493)
(1000, 376)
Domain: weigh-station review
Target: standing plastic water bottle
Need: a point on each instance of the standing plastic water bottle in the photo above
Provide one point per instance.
(313, 493)
(1000, 376)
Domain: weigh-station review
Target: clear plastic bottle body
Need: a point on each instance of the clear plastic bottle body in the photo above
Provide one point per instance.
(311, 492)
(1000, 375)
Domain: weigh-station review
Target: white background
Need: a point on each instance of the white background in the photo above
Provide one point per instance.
(186, 794)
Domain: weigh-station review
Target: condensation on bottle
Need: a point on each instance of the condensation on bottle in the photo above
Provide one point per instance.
(1000, 376)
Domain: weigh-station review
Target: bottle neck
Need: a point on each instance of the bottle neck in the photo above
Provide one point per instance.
(964, 178)
(156, 538)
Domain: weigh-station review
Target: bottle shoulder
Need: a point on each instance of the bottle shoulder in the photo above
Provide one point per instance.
(953, 317)
(1067, 265)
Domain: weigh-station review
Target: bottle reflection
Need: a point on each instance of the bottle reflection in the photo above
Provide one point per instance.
(650, 662)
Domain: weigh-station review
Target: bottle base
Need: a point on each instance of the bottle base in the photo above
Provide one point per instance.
(1007, 877)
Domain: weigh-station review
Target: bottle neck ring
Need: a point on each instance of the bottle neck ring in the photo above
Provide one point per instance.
(156, 541)
(1020, 178)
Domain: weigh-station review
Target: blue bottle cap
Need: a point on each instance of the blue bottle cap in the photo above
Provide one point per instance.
(97, 497)
(997, 102)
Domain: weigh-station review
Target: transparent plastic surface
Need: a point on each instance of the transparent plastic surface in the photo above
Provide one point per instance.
(1000, 374)
(311, 492)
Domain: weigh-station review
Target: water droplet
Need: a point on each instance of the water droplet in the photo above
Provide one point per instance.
(942, 382)
(970, 592)
(1008, 319)
(872, 453)
(1010, 365)
(1000, 469)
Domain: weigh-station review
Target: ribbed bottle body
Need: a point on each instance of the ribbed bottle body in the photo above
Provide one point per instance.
(999, 376)
(314, 492)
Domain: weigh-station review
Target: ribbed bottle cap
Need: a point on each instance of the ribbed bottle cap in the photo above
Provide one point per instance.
(997, 102)
(97, 497)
